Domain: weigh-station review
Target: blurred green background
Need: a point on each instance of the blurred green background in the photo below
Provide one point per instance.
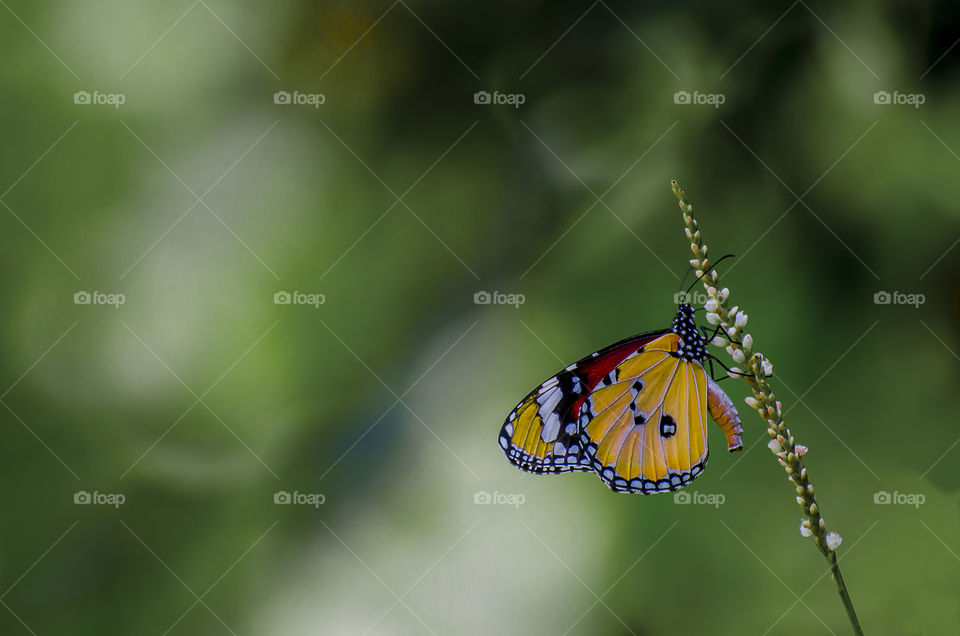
(198, 401)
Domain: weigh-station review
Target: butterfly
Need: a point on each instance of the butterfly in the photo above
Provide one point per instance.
(635, 413)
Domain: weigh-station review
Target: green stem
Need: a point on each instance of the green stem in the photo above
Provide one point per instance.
(844, 594)
(739, 344)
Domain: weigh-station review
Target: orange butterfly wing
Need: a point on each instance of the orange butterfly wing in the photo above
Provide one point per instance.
(542, 434)
(645, 431)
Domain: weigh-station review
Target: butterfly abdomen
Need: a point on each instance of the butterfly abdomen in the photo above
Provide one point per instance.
(724, 413)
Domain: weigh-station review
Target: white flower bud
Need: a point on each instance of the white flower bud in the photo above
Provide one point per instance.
(713, 318)
(767, 367)
(738, 356)
(834, 540)
(774, 446)
(711, 305)
(805, 530)
(719, 341)
(724, 294)
(748, 342)
(741, 319)
(751, 401)
(732, 331)
(801, 449)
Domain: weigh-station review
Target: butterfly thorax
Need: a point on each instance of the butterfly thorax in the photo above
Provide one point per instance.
(692, 345)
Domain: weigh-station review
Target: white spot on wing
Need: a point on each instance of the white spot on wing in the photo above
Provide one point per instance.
(548, 401)
(551, 428)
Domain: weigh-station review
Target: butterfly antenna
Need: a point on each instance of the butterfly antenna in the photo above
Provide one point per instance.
(684, 279)
(706, 271)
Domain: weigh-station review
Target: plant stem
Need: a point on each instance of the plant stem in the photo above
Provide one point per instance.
(844, 594)
(739, 344)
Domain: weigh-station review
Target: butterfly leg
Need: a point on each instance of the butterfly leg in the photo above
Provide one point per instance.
(713, 373)
(729, 371)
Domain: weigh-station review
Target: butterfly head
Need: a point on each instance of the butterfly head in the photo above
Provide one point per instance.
(693, 346)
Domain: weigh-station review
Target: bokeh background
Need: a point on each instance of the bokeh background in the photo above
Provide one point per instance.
(199, 400)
